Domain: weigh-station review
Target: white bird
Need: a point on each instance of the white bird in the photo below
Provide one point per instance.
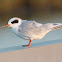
(31, 30)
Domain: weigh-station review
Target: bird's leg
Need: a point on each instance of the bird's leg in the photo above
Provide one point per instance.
(28, 44)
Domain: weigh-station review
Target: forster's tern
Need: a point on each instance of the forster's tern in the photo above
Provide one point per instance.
(31, 30)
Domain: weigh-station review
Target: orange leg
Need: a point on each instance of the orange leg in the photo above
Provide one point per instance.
(28, 44)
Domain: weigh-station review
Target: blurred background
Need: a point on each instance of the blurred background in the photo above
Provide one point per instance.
(31, 9)
(43, 11)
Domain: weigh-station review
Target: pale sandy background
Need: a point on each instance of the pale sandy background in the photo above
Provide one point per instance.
(50, 53)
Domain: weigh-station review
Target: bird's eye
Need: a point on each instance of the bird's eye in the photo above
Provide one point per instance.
(15, 21)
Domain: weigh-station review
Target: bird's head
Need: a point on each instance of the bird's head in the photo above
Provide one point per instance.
(13, 22)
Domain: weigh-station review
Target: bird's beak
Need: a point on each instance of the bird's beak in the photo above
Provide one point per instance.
(5, 26)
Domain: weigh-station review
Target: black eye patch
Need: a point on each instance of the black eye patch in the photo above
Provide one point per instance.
(15, 21)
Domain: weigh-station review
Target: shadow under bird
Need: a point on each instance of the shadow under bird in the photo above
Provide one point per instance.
(30, 30)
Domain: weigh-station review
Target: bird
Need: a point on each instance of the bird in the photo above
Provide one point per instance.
(30, 29)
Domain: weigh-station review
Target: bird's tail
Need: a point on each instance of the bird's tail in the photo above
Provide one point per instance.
(56, 26)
